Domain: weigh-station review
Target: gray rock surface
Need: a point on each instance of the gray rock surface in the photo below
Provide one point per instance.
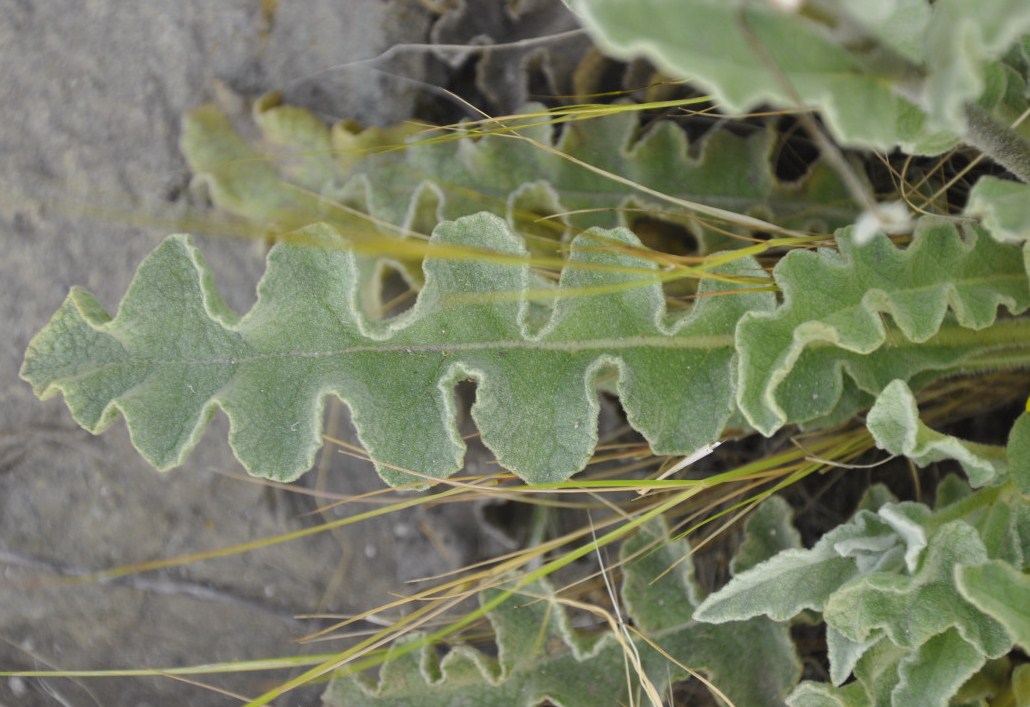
(91, 96)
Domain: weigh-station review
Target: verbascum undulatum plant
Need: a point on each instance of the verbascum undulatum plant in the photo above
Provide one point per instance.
(922, 605)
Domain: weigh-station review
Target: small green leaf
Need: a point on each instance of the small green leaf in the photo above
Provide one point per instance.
(877, 671)
(931, 675)
(1001, 206)
(794, 580)
(844, 654)
(999, 590)
(1018, 451)
(895, 425)
(952, 489)
(1021, 513)
(780, 588)
(998, 525)
(767, 531)
(875, 497)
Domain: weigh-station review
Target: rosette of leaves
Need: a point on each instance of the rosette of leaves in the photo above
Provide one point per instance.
(539, 656)
(921, 605)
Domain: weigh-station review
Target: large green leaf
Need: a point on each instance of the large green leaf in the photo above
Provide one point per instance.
(831, 320)
(540, 657)
(174, 353)
(896, 73)
(414, 180)
(935, 672)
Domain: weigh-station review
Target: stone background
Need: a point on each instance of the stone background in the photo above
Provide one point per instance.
(91, 96)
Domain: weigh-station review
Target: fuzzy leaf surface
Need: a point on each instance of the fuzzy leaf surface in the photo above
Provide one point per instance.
(792, 359)
(821, 694)
(844, 654)
(898, 617)
(1001, 591)
(413, 181)
(541, 657)
(1001, 205)
(174, 353)
(931, 675)
(795, 580)
(1018, 451)
(895, 425)
(911, 609)
(897, 73)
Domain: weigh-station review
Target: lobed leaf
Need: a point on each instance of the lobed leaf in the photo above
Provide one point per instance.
(792, 359)
(539, 657)
(413, 180)
(174, 353)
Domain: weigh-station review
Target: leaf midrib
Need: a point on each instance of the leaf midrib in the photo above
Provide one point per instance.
(707, 343)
